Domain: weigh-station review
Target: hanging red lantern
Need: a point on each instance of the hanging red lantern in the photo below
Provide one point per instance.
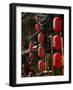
(31, 56)
(57, 42)
(57, 60)
(30, 46)
(41, 51)
(57, 24)
(37, 27)
(36, 18)
(41, 66)
(42, 21)
(40, 38)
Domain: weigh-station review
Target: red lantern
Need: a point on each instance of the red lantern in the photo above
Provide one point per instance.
(57, 60)
(57, 42)
(40, 38)
(57, 24)
(31, 56)
(42, 21)
(41, 52)
(36, 18)
(41, 66)
(37, 27)
(30, 46)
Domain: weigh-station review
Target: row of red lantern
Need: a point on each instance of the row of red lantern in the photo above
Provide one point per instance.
(40, 40)
(57, 57)
(41, 54)
(41, 51)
